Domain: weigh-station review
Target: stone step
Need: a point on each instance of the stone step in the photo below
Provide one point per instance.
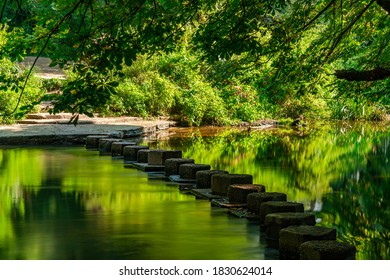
(203, 178)
(275, 222)
(292, 237)
(327, 250)
(172, 165)
(130, 153)
(117, 148)
(189, 170)
(220, 182)
(238, 193)
(255, 200)
(158, 157)
(270, 207)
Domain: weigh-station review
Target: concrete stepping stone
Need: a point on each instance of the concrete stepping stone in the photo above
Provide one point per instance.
(203, 178)
(327, 250)
(142, 156)
(172, 165)
(292, 237)
(92, 141)
(188, 170)
(105, 145)
(238, 193)
(270, 207)
(158, 157)
(254, 200)
(117, 148)
(275, 222)
(130, 152)
(220, 182)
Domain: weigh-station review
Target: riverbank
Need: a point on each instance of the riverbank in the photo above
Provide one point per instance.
(39, 129)
(46, 129)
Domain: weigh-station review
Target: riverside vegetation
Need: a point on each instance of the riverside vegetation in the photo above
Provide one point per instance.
(199, 62)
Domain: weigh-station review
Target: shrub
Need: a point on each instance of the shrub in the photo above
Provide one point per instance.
(11, 84)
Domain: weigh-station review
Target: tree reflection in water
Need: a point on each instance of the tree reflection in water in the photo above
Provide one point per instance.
(69, 203)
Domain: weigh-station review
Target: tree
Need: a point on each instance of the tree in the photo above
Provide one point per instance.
(302, 39)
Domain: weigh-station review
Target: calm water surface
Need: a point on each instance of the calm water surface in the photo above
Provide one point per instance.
(70, 203)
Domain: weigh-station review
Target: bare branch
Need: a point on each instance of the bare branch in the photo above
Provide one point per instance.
(367, 75)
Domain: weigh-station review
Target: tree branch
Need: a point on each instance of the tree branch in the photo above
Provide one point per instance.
(317, 16)
(365, 75)
(343, 32)
(3, 9)
(385, 4)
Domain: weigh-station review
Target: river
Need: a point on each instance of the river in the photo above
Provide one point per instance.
(71, 203)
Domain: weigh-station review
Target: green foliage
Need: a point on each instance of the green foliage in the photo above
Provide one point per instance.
(84, 92)
(168, 85)
(12, 79)
(263, 58)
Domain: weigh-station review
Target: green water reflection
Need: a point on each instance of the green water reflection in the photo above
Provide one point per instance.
(341, 172)
(69, 203)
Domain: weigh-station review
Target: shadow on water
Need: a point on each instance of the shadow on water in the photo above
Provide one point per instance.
(69, 203)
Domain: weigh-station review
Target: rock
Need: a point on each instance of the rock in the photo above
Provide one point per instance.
(92, 141)
(203, 178)
(270, 207)
(238, 193)
(291, 238)
(188, 170)
(220, 182)
(172, 165)
(275, 222)
(327, 250)
(254, 200)
(158, 157)
(130, 152)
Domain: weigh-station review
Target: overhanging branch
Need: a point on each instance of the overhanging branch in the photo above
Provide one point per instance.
(385, 4)
(365, 75)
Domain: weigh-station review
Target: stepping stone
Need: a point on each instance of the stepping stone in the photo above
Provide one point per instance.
(238, 193)
(220, 182)
(130, 152)
(105, 145)
(92, 141)
(158, 157)
(188, 170)
(327, 250)
(270, 207)
(291, 238)
(117, 148)
(277, 221)
(254, 200)
(172, 165)
(203, 178)
(142, 156)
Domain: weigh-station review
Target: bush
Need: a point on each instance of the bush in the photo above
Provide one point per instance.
(11, 84)
(168, 85)
(310, 106)
(201, 105)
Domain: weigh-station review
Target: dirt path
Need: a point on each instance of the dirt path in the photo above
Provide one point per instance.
(42, 68)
